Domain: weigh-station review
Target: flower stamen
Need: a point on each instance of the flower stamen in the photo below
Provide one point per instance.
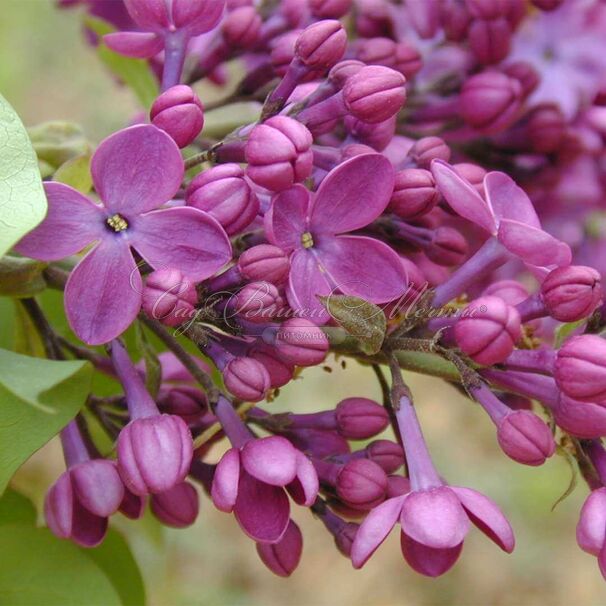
(117, 222)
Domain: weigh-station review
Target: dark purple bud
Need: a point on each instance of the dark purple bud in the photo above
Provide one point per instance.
(490, 40)
(547, 5)
(321, 45)
(525, 438)
(401, 56)
(258, 302)
(345, 536)
(279, 153)
(132, 506)
(283, 52)
(264, 262)
(397, 486)
(377, 136)
(375, 93)
(473, 173)
(490, 101)
(511, 291)
(154, 453)
(329, 9)
(301, 342)
(280, 371)
(169, 297)
(224, 193)
(177, 507)
(242, 28)
(516, 402)
(388, 455)
(361, 484)
(572, 293)
(415, 193)
(580, 368)
(427, 149)
(455, 19)
(283, 557)
(360, 418)
(178, 112)
(343, 70)
(488, 330)
(525, 74)
(545, 128)
(246, 379)
(184, 401)
(487, 9)
(448, 247)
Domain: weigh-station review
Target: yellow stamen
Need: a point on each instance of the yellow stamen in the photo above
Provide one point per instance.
(307, 240)
(118, 223)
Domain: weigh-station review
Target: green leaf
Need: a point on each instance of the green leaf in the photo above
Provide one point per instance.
(38, 568)
(361, 319)
(56, 142)
(564, 331)
(76, 173)
(22, 199)
(135, 73)
(27, 339)
(114, 557)
(153, 370)
(16, 509)
(37, 399)
(21, 277)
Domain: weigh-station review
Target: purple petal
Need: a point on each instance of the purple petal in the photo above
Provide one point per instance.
(88, 530)
(98, 486)
(59, 507)
(533, 245)
(508, 200)
(427, 560)
(139, 45)
(72, 222)
(462, 196)
(224, 490)
(434, 518)
(285, 222)
(271, 460)
(591, 529)
(262, 510)
(183, 238)
(487, 517)
(374, 530)
(353, 194)
(283, 557)
(306, 283)
(304, 488)
(149, 14)
(137, 169)
(363, 267)
(197, 17)
(103, 292)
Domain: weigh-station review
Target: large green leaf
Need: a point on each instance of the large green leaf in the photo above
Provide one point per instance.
(16, 509)
(22, 199)
(37, 399)
(135, 73)
(36, 568)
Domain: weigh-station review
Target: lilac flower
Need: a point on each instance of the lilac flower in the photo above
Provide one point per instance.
(313, 228)
(135, 171)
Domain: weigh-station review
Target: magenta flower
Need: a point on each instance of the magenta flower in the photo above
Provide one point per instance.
(313, 227)
(135, 171)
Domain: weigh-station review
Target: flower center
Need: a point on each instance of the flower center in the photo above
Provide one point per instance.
(307, 240)
(117, 222)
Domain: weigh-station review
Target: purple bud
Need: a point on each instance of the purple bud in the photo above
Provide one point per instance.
(490, 101)
(401, 56)
(375, 93)
(132, 506)
(169, 297)
(321, 45)
(473, 173)
(361, 484)
(280, 371)
(487, 9)
(525, 438)
(343, 70)
(178, 112)
(246, 379)
(488, 330)
(490, 40)
(387, 454)
(545, 128)
(360, 418)
(511, 291)
(580, 368)
(525, 74)
(455, 19)
(224, 193)
(345, 536)
(283, 52)
(591, 529)
(97, 486)
(397, 486)
(377, 136)
(448, 247)
(258, 302)
(329, 9)
(427, 149)
(301, 342)
(283, 557)
(572, 293)
(547, 5)
(264, 262)
(279, 153)
(154, 453)
(184, 401)
(415, 193)
(242, 28)
(177, 507)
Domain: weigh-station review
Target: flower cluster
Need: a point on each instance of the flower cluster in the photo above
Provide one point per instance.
(431, 172)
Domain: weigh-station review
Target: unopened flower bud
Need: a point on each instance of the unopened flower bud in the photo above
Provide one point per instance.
(258, 302)
(184, 401)
(487, 9)
(525, 438)
(177, 507)
(490, 39)
(547, 5)
(345, 536)
(301, 342)
(280, 371)
(414, 195)
(169, 297)
(397, 486)
(401, 56)
(448, 247)
(283, 557)
(343, 70)
(388, 455)
(455, 19)
(525, 74)
(545, 128)
(329, 9)
(360, 418)
(322, 44)
(246, 379)
(242, 28)
(488, 331)
(178, 112)
(427, 149)
(361, 484)
(264, 262)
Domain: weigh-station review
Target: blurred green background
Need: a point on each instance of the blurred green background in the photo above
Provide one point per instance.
(48, 72)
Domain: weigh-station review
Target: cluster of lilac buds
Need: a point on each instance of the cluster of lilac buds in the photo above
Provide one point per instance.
(422, 181)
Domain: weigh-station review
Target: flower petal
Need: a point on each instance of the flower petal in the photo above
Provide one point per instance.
(591, 529)
(353, 194)
(184, 238)
(487, 517)
(197, 17)
(435, 518)
(508, 200)
(304, 488)
(137, 169)
(462, 196)
(88, 529)
(224, 490)
(263, 511)
(285, 222)
(374, 530)
(363, 267)
(532, 245)
(98, 486)
(149, 14)
(271, 460)
(72, 222)
(427, 560)
(103, 292)
(139, 45)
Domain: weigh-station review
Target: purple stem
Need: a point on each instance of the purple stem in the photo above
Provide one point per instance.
(327, 472)
(532, 308)
(227, 280)
(175, 47)
(537, 387)
(331, 108)
(232, 151)
(532, 360)
(318, 420)
(235, 429)
(218, 354)
(496, 409)
(74, 447)
(294, 74)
